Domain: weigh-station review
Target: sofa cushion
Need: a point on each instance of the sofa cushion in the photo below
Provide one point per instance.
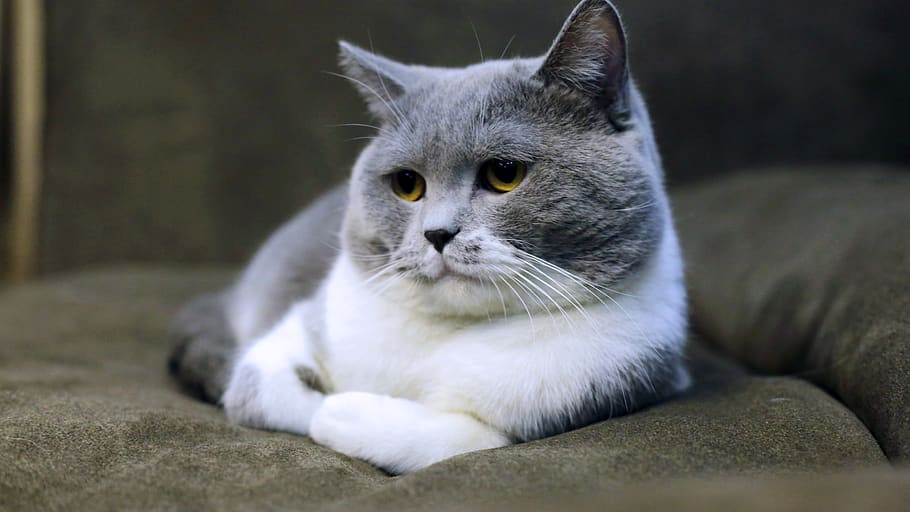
(878, 491)
(806, 272)
(89, 419)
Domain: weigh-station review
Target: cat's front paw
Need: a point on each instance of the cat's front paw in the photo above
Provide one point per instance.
(241, 399)
(396, 434)
(271, 400)
(366, 426)
(350, 422)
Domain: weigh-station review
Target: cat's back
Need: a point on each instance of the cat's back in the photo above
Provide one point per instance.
(289, 267)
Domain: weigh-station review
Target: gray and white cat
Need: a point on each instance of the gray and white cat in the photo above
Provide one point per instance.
(508, 268)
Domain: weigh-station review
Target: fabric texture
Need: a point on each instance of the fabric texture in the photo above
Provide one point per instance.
(186, 131)
(91, 420)
(790, 274)
(807, 273)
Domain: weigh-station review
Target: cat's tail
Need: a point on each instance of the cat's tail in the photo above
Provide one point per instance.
(205, 347)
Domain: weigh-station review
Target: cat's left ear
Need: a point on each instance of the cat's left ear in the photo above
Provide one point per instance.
(589, 56)
(379, 80)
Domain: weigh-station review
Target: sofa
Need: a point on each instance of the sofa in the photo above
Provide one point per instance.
(178, 134)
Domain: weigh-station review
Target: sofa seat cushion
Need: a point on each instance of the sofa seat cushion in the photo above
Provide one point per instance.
(806, 272)
(90, 419)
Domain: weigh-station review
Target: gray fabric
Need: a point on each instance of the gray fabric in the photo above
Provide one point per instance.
(90, 420)
(806, 272)
(862, 491)
(187, 131)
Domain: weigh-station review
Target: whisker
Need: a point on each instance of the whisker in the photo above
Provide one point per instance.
(531, 294)
(546, 280)
(637, 325)
(636, 207)
(399, 114)
(578, 279)
(509, 44)
(524, 284)
(331, 245)
(372, 91)
(520, 299)
(361, 125)
(518, 243)
(383, 269)
(502, 299)
(565, 315)
(596, 294)
(391, 281)
(369, 257)
(486, 288)
(477, 38)
(596, 291)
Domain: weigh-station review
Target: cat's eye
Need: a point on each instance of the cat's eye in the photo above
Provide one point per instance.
(408, 185)
(502, 175)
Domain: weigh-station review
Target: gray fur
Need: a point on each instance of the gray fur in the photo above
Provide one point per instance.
(290, 265)
(444, 123)
(592, 202)
(309, 378)
(204, 349)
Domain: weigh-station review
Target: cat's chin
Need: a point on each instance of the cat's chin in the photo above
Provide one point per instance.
(451, 294)
(448, 276)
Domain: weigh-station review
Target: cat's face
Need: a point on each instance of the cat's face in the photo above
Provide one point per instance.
(504, 186)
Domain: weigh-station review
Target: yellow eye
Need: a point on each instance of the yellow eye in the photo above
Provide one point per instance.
(502, 175)
(408, 185)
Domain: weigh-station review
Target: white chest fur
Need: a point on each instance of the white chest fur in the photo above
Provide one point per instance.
(408, 389)
(508, 372)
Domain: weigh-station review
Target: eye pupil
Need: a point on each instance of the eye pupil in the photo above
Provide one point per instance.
(407, 181)
(506, 170)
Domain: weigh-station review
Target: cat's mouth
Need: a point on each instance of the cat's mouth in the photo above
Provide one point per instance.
(442, 268)
(446, 272)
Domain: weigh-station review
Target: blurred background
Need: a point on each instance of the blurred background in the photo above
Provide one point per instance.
(183, 132)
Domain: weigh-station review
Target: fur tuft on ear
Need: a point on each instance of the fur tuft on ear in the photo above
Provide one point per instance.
(379, 80)
(589, 56)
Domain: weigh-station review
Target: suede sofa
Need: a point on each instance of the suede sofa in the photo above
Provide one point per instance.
(179, 134)
(802, 283)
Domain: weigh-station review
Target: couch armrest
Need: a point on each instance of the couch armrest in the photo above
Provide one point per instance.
(807, 272)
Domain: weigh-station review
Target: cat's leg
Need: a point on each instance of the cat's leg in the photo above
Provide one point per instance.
(274, 384)
(398, 435)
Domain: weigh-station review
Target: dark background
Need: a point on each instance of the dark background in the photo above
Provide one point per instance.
(185, 131)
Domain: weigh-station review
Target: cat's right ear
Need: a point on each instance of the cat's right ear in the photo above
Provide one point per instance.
(379, 80)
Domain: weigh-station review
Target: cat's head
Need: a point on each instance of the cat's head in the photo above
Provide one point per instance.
(510, 184)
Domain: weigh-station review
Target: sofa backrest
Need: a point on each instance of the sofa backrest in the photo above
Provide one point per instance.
(183, 132)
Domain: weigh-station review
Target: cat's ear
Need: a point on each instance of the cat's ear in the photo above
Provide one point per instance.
(590, 57)
(379, 80)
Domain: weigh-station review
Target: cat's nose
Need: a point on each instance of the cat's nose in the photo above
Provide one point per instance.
(440, 237)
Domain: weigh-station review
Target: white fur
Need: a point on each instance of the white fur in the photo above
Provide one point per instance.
(458, 385)
(275, 398)
(396, 434)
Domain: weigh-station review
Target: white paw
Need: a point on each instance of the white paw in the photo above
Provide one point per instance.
(353, 423)
(241, 398)
(272, 400)
(398, 435)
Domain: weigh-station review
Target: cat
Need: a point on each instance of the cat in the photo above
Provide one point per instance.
(502, 266)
